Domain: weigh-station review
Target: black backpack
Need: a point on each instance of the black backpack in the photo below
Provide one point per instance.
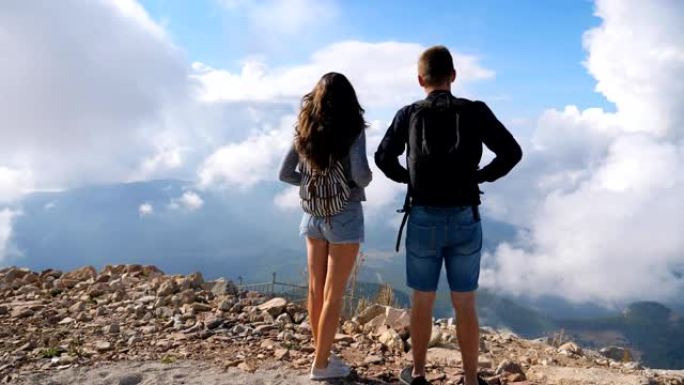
(435, 157)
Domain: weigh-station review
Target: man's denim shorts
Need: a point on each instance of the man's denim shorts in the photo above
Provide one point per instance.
(449, 235)
(345, 227)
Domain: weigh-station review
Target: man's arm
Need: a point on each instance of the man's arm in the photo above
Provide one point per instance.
(392, 146)
(498, 139)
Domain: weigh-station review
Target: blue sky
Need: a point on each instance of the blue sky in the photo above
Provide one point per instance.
(535, 48)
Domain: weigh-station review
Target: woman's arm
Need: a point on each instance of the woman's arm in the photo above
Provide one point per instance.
(360, 171)
(288, 168)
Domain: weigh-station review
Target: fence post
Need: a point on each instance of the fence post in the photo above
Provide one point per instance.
(273, 283)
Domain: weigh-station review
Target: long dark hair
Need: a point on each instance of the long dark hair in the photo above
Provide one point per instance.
(329, 121)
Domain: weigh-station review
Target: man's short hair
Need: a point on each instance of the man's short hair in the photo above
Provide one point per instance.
(435, 65)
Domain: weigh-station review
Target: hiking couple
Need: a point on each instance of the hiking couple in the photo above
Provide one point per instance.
(443, 137)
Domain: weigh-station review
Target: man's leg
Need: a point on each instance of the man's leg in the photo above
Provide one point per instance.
(468, 332)
(421, 328)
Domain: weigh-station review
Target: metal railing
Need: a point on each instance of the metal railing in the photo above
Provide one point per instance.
(293, 292)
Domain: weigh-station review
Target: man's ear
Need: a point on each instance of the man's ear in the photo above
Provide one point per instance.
(453, 76)
(421, 81)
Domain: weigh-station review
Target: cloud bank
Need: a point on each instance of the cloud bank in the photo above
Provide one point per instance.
(600, 193)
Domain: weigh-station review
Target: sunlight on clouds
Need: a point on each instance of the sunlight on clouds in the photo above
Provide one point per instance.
(6, 248)
(189, 201)
(599, 193)
(145, 209)
(383, 74)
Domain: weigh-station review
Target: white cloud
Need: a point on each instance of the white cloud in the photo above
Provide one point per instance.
(145, 209)
(249, 162)
(599, 194)
(84, 86)
(189, 201)
(14, 183)
(383, 74)
(288, 199)
(7, 250)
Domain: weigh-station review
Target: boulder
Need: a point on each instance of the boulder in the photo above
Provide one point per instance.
(223, 287)
(570, 348)
(615, 353)
(369, 313)
(82, 274)
(167, 288)
(392, 340)
(274, 306)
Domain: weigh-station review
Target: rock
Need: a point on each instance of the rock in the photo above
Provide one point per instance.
(373, 359)
(281, 354)
(444, 357)
(22, 312)
(247, 367)
(435, 336)
(397, 319)
(112, 328)
(4, 310)
(131, 379)
(225, 305)
(194, 281)
(343, 338)
(201, 307)
(392, 340)
(77, 307)
(274, 306)
(570, 348)
(223, 287)
(167, 288)
(213, 323)
(65, 283)
(284, 318)
(82, 274)
(103, 346)
(30, 345)
(299, 317)
(66, 321)
(485, 362)
(615, 353)
(350, 327)
(509, 367)
(369, 313)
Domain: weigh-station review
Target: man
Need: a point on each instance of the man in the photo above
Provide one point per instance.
(443, 136)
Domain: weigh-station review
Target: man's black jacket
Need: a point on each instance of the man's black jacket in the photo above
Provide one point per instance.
(479, 125)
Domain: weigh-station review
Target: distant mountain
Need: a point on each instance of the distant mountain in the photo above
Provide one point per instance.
(654, 332)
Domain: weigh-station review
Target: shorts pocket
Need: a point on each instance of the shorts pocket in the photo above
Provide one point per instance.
(469, 239)
(421, 240)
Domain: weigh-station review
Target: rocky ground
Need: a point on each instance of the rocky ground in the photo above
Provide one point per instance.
(132, 324)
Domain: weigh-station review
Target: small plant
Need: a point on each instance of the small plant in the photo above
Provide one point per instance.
(362, 305)
(559, 338)
(49, 353)
(167, 359)
(385, 295)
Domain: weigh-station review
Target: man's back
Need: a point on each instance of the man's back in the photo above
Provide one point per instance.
(444, 137)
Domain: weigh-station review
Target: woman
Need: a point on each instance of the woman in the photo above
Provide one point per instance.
(328, 161)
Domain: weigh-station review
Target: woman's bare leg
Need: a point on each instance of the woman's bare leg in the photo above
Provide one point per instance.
(317, 256)
(341, 261)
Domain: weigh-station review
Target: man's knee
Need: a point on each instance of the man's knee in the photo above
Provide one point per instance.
(423, 298)
(463, 302)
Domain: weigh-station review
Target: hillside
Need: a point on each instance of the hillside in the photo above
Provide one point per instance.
(132, 324)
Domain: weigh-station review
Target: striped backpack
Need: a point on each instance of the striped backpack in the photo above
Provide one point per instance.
(324, 193)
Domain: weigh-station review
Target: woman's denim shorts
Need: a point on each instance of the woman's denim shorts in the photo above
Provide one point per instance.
(345, 227)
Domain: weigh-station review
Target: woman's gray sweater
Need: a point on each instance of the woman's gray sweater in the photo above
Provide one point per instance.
(356, 168)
